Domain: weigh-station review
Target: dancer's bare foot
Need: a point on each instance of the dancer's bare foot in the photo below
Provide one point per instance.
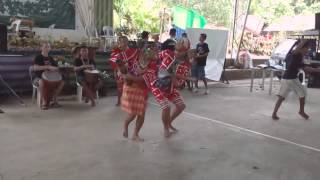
(125, 134)
(275, 117)
(167, 133)
(137, 139)
(304, 115)
(55, 104)
(86, 100)
(93, 103)
(174, 130)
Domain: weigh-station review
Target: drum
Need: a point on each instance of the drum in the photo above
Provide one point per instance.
(91, 76)
(51, 80)
(92, 80)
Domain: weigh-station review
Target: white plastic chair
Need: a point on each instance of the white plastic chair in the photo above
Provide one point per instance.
(35, 88)
(108, 31)
(50, 29)
(80, 91)
(304, 84)
(303, 77)
(108, 36)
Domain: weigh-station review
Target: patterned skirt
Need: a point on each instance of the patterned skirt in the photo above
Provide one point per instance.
(134, 99)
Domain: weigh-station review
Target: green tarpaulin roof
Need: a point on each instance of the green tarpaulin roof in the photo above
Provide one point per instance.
(187, 18)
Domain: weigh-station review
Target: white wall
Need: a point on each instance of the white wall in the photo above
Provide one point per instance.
(74, 35)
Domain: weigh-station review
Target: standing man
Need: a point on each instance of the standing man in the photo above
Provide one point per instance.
(143, 42)
(290, 79)
(198, 69)
(172, 34)
(157, 43)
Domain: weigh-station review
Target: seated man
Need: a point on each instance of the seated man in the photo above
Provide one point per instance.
(48, 90)
(90, 84)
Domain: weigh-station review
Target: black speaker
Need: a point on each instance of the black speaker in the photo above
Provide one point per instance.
(3, 38)
(317, 21)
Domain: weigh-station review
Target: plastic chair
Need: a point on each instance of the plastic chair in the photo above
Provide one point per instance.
(35, 87)
(108, 31)
(108, 36)
(304, 84)
(303, 74)
(50, 29)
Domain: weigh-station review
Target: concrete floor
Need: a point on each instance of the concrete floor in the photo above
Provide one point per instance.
(227, 135)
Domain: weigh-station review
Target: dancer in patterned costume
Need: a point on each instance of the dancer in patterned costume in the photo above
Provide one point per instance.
(134, 96)
(113, 61)
(160, 83)
(183, 66)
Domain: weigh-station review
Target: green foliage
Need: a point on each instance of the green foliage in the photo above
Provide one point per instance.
(216, 11)
(137, 15)
(43, 12)
(315, 8)
(143, 14)
(272, 10)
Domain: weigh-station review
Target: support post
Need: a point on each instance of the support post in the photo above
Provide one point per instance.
(243, 29)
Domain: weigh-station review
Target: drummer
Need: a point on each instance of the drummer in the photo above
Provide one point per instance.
(81, 64)
(44, 62)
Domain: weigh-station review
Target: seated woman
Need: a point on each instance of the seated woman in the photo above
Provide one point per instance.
(43, 64)
(88, 80)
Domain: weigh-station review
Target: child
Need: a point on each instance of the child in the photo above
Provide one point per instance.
(113, 61)
(198, 71)
(186, 41)
(290, 79)
(183, 65)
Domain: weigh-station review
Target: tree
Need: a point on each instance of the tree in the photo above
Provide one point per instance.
(137, 15)
(216, 11)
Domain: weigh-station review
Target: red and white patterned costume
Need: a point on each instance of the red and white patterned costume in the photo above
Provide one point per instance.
(163, 97)
(183, 70)
(115, 55)
(134, 96)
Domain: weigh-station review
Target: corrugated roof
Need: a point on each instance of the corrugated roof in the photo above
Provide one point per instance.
(295, 23)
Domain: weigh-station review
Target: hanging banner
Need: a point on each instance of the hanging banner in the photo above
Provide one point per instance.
(217, 41)
(187, 18)
(43, 12)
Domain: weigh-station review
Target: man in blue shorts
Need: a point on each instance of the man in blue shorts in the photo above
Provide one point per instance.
(198, 68)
